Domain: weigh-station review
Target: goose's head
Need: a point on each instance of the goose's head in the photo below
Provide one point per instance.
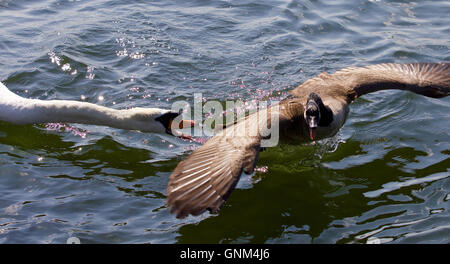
(312, 113)
(160, 121)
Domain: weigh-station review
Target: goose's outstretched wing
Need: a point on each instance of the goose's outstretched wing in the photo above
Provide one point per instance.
(205, 179)
(429, 79)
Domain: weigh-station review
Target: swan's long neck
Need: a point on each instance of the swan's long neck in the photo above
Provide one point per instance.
(33, 111)
(19, 110)
(74, 112)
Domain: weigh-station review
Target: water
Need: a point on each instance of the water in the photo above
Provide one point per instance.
(384, 178)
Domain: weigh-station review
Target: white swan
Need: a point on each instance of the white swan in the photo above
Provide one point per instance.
(19, 110)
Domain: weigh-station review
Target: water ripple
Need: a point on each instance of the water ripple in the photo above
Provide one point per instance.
(382, 179)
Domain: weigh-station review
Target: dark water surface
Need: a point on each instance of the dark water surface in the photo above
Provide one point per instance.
(384, 176)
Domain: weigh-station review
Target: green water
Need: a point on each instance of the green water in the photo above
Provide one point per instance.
(385, 175)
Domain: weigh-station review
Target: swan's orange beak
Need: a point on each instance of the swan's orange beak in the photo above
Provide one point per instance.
(181, 125)
(187, 123)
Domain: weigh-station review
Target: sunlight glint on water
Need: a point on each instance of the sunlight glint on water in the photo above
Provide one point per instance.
(382, 179)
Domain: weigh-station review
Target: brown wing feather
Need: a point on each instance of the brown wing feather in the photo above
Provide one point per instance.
(206, 178)
(429, 79)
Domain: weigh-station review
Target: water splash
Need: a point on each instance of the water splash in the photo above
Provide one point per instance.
(66, 128)
(65, 67)
(90, 72)
(261, 169)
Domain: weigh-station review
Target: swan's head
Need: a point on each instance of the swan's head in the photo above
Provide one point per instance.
(171, 121)
(159, 121)
(312, 113)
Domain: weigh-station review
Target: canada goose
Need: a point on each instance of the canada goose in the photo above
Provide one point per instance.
(19, 110)
(318, 109)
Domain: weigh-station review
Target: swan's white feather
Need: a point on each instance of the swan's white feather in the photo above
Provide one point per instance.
(18, 110)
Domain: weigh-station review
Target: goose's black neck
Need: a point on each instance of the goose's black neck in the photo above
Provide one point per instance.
(326, 115)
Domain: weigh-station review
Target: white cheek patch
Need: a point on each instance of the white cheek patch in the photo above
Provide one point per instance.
(313, 122)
